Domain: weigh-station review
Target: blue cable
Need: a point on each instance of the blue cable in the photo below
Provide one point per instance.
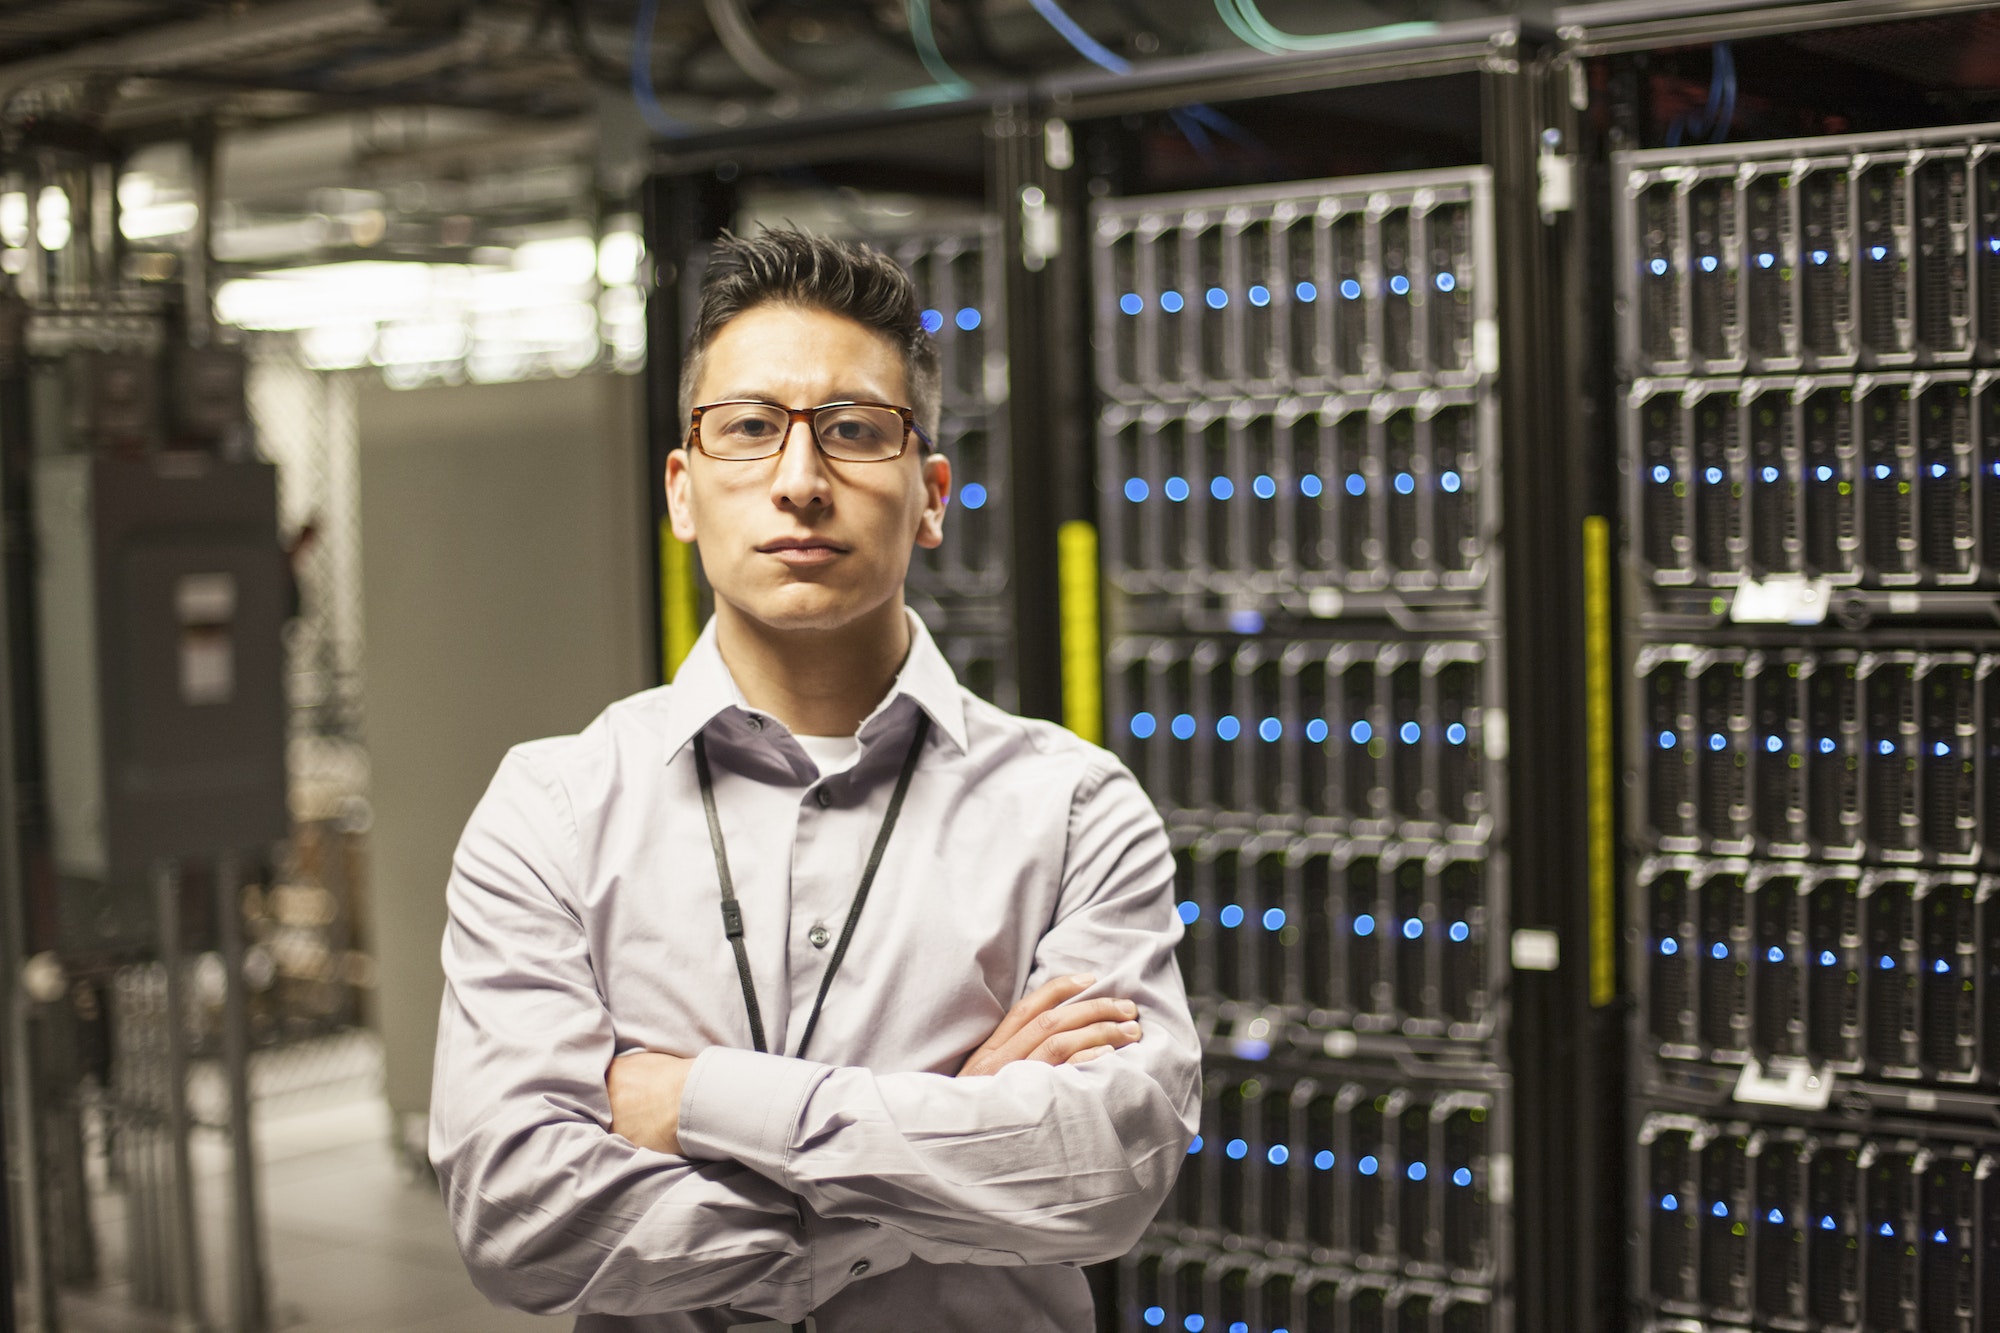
(650, 110)
(949, 84)
(1085, 45)
(1725, 73)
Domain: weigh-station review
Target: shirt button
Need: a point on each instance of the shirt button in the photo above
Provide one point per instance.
(824, 796)
(756, 723)
(819, 935)
(860, 1268)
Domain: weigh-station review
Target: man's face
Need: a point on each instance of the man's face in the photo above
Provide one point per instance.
(801, 541)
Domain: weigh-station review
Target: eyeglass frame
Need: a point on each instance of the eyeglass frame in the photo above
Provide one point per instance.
(794, 415)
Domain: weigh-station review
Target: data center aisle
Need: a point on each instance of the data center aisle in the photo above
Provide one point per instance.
(354, 1244)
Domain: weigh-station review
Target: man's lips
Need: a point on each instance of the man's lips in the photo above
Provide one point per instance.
(803, 551)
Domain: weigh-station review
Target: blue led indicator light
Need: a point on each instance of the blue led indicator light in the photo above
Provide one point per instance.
(1819, 256)
(1826, 745)
(1270, 729)
(1278, 1154)
(1263, 487)
(1670, 1203)
(1316, 730)
(1216, 298)
(1405, 483)
(1774, 955)
(1323, 1160)
(1260, 296)
(1826, 1222)
(1413, 929)
(1310, 486)
(1368, 1166)
(1195, 1146)
(1235, 1149)
(1718, 951)
(1221, 487)
(1769, 474)
(1131, 303)
(1356, 483)
(1886, 963)
(1175, 489)
(1659, 267)
(1460, 932)
(1774, 743)
(1416, 1171)
(1940, 1237)
(1445, 282)
(1364, 925)
(1670, 946)
(1885, 1230)
(1667, 740)
(1766, 259)
(1171, 302)
(1717, 741)
(1941, 966)
(1708, 263)
(1231, 916)
(1400, 285)
(1713, 476)
(1306, 292)
(1182, 726)
(1228, 727)
(967, 319)
(1941, 749)
(1719, 1209)
(1826, 958)
(1662, 473)
(1136, 489)
(1350, 289)
(1449, 483)
(1937, 469)
(1455, 733)
(1462, 1177)
(1775, 1215)
(1881, 471)
(1410, 732)
(972, 495)
(1193, 1323)
(1155, 1315)
(1360, 733)
(1823, 473)
(1144, 725)
(1274, 918)
(1878, 252)
(1885, 747)
(1190, 913)
(932, 320)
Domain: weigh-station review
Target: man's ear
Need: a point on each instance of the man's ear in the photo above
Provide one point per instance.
(936, 472)
(680, 497)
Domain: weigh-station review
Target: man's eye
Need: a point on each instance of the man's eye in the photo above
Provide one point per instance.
(748, 428)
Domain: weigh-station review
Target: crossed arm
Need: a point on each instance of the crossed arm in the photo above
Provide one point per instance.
(645, 1086)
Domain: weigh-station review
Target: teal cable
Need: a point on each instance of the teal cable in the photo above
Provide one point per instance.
(924, 38)
(1253, 29)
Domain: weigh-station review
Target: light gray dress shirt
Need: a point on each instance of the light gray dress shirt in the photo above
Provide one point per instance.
(863, 1183)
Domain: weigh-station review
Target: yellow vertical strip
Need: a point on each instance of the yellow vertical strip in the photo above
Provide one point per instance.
(1599, 756)
(1082, 659)
(680, 602)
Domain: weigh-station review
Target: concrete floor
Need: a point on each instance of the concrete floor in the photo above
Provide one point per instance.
(353, 1241)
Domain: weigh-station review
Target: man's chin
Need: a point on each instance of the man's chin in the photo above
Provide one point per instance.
(807, 607)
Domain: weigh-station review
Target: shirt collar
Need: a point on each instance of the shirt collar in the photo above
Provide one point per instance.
(703, 690)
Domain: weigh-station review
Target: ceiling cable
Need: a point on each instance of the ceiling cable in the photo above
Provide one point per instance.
(949, 84)
(1247, 21)
(1086, 46)
(739, 38)
(650, 110)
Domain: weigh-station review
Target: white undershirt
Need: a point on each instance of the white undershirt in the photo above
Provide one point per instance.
(833, 754)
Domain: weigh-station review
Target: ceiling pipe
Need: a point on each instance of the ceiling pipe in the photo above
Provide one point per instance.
(739, 38)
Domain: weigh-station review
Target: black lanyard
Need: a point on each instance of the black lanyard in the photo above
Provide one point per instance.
(732, 915)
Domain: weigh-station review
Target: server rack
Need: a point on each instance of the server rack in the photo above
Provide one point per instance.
(1298, 472)
(961, 589)
(1806, 342)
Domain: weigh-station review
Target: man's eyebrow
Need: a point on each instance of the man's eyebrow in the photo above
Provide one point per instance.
(850, 394)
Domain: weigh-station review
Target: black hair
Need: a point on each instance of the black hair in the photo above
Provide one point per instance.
(847, 278)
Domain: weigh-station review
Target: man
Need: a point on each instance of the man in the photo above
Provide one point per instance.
(810, 985)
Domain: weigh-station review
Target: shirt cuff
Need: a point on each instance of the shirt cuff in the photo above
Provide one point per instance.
(745, 1106)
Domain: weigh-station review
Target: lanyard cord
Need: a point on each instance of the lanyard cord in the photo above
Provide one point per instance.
(732, 913)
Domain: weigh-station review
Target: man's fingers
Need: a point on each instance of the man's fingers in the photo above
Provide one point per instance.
(1061, 1047)
(1065, 1018)
(1037, 1001)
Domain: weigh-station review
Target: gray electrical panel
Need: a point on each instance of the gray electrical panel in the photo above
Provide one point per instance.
(162, 597)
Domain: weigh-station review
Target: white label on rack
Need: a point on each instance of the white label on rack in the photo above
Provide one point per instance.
(1537, 951)
(1922, 1099)
(1799, 1087)
(1782, 601)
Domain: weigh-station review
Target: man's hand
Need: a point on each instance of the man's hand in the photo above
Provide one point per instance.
(645, 1089)
(1041, 1027)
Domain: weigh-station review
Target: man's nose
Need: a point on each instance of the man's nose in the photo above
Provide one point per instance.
(801, 478)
